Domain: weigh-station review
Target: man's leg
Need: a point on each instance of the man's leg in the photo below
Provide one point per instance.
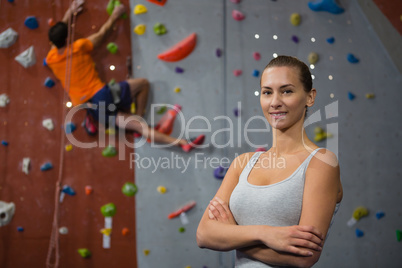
(139, 88)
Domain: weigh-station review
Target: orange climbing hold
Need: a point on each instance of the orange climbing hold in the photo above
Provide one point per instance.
(158, 2)
(181, 50)
(125, 231)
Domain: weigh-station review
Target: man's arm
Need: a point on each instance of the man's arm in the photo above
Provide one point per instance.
(97, 37)
(76, 7)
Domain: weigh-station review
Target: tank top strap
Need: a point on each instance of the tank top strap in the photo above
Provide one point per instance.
(247, 169)
(308, 159)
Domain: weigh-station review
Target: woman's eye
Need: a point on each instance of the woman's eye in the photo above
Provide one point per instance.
(287, 91)
(266, 92)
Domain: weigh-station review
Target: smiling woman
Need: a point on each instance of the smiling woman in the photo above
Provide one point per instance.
(277, 215)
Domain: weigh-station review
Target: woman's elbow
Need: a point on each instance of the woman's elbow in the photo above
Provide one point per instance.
(308, 262)
(200, 236)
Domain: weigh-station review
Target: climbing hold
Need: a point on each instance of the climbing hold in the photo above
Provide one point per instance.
(181, 50)
(68, 190)
(320, 134)
(4, 100)
(185, 208)
(146, 252)
(179, 70)
(112, 47)
(177, 90)
(46, 166)
(166, 123)
(158, 2)
(20, 229)
(351, 58)
(295, 39)
(110, 131)
(140, 29)
(84, 252)
(162, 110)
(133, 108)
(106, 231)
(326, 5)
(256, 56)
(331, 40)
(111, 5)
(295, 19)
(237, 15)
(256, 73)
(44, 62)
(237, 72)
(51, 22)
(68, 147)
(27, 58)
(63, 230)
(49, 82)
(182, 230)
(10, 1)
(108, 210)
(358, 213)
(31, 22)
(359, 233)
(161, 189)
(125, 231)
(70, 127)
(235, 1)
(140, 9)
(129, 189)
(4, 143)
(48, 123)
(88, 190)
(220, 172)
(109, 151)
(8, 38)
(159, 29)
(379, 215)
(351, 96)
(260, 149)
(7, 211)
(26, 161)
(370, 95)
(218, 52)
(236, 112)
(313, 58)
(399, 235)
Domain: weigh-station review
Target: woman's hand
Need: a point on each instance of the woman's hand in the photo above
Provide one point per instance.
(76, 6)
(297, 239)
(219, 210)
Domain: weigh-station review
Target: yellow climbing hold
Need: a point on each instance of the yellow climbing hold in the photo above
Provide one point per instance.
(161, 189)
(110, 131)
(177, 90)
(133, 108)
(320, 134)
(295, 19)
(146, 252)
(188, 266)
(370, 96)
(69, 147)
(140, 29)
(313, 58)
(106, 231)
(360, 212)
(140, 9)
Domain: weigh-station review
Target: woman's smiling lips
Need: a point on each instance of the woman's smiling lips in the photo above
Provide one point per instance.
(277, 115)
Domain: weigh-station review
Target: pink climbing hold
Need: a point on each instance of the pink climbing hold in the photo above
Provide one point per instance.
(257, 56)
(237, 72)
(237, 15)
(235, 1)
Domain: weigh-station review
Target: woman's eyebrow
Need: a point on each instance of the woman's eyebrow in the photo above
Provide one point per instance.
(283, 86)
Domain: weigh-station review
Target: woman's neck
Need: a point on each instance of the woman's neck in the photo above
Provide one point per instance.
(290, 140)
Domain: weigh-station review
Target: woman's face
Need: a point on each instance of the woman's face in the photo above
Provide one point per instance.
(283, 98)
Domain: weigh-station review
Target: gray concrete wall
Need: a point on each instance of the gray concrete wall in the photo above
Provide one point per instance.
(366, 131)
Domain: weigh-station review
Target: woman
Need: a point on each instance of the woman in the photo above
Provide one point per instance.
(277, 215)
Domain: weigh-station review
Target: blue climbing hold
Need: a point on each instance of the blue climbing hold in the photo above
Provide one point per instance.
(295, 39)
(49, 82)
(256, 73)
(352, 59)
(20, 229)
(351, 96)
(4, 143)
(31, 22)
(70, 127)
(379, 215)
(359, 233)
(44, 62)
(326, 5)
(10, 1)
(46, 166)
(179, 70)
(236, 111)
(220, 172)
(218, 52)
(68, 190)
(331, 40)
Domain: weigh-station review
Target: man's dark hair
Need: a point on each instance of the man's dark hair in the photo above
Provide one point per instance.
(58, 34)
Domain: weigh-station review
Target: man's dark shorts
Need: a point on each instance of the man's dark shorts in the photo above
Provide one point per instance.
(106, 109)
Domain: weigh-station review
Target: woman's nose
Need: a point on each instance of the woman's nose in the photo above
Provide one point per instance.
(276, 101)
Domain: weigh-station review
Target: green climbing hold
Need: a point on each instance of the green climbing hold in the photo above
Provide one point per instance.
(109, 151)
(182, 230)
(399, 235)
(84, 252)
(111, 5)
(162, 110)
(108, 210)
(112, 47)
(129, 189)
(159, 29)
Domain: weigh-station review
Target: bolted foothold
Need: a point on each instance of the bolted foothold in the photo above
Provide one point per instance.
(359, 233)
(70, 127)
(331, 40)
(351, 58)
(48, 124)
(125, 231)
(140, 9)
(140, 29)
(256, 73)
(4, 100)
(4, 143)
(237, 15)
(218, 52)
(106, 231)
(26, 164)
(129, 189)
(236, 112)
(46, 166)
(20, 229)
(44, 62)
(146, 252)
(49, 82)
(159, 29)
(109, 151)
(235, 1)
(220, 172)
(158, 2)
(63, 230)
(84, 252)
(51, 22)
(68, 147)
(351, 96)
(31, 22)
(177, 90)
(295, 39)
(162, 110)
(237, 72)
(370, 95)
(313, 58)
(112, 47)
(295, 19)
(182, 230)
(379, 215)
(161, 189)
(179, 70)
(88, 190)
(399, 235)
(68, 190)
(256, 56)
(260, 149)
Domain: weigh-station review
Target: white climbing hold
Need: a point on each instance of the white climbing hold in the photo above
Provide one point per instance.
(27, 58)
(8, 38)
(7, 212)
(4, 100)
(26, 161)
(48, 123)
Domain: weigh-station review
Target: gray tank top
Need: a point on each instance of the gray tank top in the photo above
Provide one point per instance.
(277, 204)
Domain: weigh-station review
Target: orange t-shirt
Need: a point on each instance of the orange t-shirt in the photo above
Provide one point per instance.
(84, 81)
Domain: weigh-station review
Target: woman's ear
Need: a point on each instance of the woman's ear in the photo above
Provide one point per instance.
(311, 97)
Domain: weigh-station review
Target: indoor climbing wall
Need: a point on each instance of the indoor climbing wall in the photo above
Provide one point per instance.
(355, 115)
(25, 240)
